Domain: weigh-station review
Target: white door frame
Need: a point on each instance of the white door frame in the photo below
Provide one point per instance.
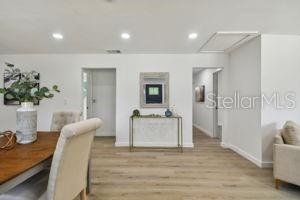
(215, 114)
(89, 105)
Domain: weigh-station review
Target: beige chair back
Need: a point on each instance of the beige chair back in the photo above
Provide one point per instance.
(62, 118)
(69, 167)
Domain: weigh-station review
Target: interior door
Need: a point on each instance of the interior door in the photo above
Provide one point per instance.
(104, 100)
(217, 130)
(215, 110)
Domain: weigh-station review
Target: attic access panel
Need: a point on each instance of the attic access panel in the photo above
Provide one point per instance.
(221, 42)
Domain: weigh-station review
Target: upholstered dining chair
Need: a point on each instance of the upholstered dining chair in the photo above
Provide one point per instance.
(68, 172)
(62, 118)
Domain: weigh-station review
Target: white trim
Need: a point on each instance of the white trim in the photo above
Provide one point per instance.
(242, 153)
(188, 145)
(268, 164)
(153, 144)
(246, 155)
(121, 144)
(206, 132)
(106, 134)
(224, 145)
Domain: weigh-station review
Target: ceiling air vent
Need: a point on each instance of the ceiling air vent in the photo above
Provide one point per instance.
(114, 51)
(221, 42)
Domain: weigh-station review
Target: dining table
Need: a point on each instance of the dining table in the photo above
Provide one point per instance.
(26, 160)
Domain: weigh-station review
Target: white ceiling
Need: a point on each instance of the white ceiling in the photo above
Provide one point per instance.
(156, 26)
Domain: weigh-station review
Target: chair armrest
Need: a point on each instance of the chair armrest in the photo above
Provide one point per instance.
(287, 163)
(278, 138)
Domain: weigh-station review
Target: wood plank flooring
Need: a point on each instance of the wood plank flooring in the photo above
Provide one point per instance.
(205, 172)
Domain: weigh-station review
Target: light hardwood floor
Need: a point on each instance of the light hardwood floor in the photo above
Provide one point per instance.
(204, 172)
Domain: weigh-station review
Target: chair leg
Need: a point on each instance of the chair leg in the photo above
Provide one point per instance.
(83, 195)
(277, 184)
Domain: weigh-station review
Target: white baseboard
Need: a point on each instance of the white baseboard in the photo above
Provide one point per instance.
(206, 132)
(249, 157)
(188, 145)
(122, 144)
(224, 145)
(105, 134)
(153, 144)
(267, 164)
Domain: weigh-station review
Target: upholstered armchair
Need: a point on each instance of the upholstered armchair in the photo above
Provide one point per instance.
(286, 162)
(62, 118)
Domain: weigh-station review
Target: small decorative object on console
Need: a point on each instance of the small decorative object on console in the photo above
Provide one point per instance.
(7, 140)
(168, 113)
(151, 115)
(136, 113)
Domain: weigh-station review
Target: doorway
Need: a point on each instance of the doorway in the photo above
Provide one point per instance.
(207, 118)
(99, 98)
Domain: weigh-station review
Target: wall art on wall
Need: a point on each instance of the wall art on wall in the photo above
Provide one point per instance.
(200, 93)
(154, 89)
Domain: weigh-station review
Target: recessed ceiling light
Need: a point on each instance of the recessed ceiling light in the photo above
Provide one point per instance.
(193, 36)
(57, 36)
(125, 36)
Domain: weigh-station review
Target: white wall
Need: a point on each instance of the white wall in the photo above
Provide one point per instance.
(280, 70)
(264, 66)
(202, 111)
(244, 77)
(65, 71)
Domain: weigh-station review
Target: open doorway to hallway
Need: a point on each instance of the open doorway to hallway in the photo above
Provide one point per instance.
(207, 118)
(99, 98)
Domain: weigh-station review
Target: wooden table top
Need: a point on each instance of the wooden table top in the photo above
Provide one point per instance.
(26, 156)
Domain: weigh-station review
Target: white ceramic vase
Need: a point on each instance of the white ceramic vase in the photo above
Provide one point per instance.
(26, 123)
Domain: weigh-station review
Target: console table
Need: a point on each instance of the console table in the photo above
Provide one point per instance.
(167, 128)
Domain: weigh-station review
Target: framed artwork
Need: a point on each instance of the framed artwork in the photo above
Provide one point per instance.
(9, 79)
(154, 90)
(200, 93)
(154, 93)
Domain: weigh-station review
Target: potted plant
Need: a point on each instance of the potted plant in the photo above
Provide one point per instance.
(25, 89)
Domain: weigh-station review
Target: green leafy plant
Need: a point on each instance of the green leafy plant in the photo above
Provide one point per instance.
(25, 88)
